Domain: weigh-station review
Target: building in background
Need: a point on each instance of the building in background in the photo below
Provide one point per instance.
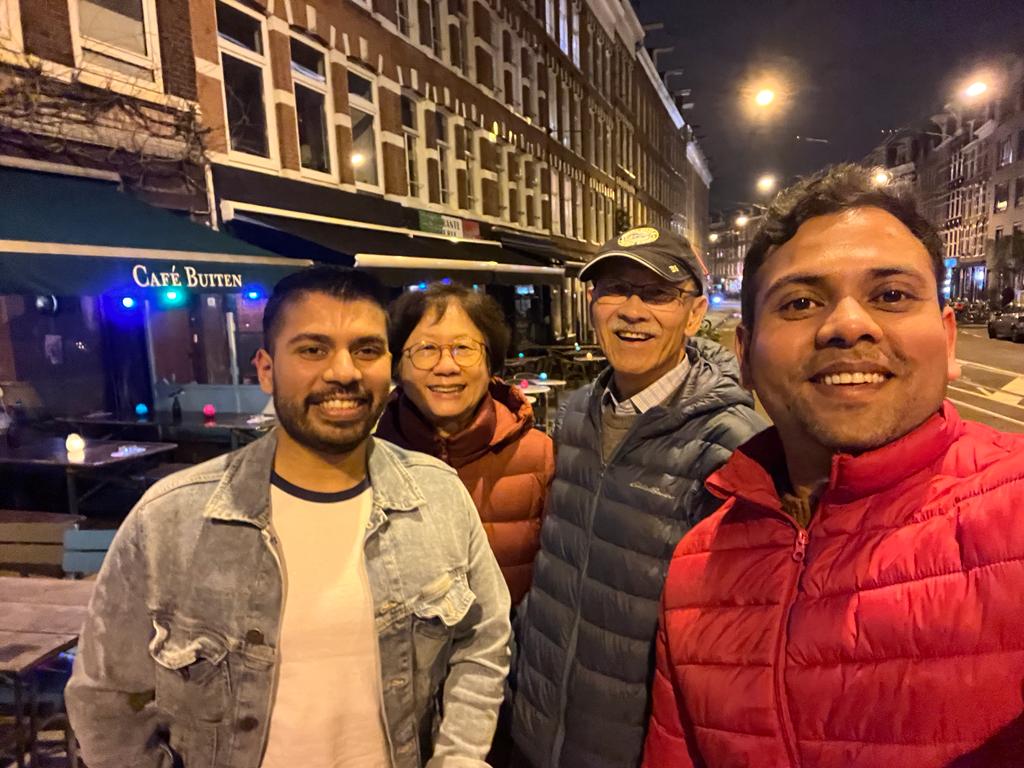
(108, 302)
(494, 143)
(728, 241)
(966, 168)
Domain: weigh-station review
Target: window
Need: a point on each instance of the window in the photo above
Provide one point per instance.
(118, 36)
(1018, 193)
(444, 155)
(411, 139)
(428, 19)
(575, 34)
(363, 111)
(402, 16)
(1001, 201)
(563, 26)
(309, 78)
(10, 24)
(457, 47)
(1004, 152)
(472, 172)
(1020, 144)
(245, 66)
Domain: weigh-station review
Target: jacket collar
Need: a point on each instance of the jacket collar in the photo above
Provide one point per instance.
(750, 471)
(503, 417)
(243, 493)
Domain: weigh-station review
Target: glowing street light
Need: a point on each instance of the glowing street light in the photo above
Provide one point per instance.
(713, 237)
(881, 177)
(764, 97)
(975, 89)
(742, 220)
(766, 183)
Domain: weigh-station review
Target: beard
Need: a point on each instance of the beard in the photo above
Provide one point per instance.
(296, 419)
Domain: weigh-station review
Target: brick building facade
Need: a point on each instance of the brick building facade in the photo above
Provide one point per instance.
(83, 84)
(498, 143)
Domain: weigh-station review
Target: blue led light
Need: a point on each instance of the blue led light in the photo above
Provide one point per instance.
(128, 302)
(522, 355)
(423, 286)
(141, 410)
(543, 376)
(446, 281)
(252, 295)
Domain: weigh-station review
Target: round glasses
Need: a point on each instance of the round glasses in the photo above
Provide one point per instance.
(654, 294)
(425, 355)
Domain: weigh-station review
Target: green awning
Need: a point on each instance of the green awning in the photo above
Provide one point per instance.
(66, 236)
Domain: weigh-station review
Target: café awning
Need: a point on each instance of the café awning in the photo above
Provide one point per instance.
(68, 235)
(398, 256)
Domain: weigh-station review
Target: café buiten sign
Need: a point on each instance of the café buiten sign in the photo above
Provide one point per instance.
(189, 277)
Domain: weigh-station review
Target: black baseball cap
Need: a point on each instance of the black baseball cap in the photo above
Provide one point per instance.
(661, 251)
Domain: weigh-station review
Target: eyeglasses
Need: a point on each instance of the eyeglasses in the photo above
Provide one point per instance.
(611, 292)
(425, 355)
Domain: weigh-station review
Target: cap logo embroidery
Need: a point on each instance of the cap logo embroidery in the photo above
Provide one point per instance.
(673, 268)
(638, 236)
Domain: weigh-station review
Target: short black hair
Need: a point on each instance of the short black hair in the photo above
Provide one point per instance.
(831, 190)
(342, 283)
(411, 307)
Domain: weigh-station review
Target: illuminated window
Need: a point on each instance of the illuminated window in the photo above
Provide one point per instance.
(365, 157)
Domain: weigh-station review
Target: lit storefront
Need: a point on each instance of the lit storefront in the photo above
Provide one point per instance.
(107, 303)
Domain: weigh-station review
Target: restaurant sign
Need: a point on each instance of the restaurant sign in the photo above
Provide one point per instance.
(190, 277)
(449, 226)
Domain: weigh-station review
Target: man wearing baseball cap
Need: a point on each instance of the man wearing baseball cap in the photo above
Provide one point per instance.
(633, 450)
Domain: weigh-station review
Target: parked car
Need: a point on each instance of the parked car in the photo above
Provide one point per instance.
(1007, 323)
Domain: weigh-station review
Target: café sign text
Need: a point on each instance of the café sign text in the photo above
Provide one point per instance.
(189, 278)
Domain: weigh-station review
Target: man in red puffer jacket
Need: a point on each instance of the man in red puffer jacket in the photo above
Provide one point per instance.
(858, 600)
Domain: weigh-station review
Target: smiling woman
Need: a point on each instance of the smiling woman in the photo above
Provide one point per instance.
(447, 342)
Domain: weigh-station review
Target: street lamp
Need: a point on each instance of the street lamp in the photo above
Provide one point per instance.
(742, 220)
(766, 184)
(764, 97)
(975, 89)
(881, 177)
(713, 237)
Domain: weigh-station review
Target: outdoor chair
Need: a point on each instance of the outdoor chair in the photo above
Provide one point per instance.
(84, 550)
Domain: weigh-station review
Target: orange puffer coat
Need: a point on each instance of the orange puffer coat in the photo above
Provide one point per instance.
(889, 633)
(503, 461)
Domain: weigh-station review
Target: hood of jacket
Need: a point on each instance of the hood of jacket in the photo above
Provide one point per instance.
(503, 417)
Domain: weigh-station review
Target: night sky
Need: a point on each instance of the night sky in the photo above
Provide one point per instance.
(850, 69)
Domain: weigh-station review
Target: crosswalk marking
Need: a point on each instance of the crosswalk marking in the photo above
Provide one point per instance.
(1015, 387)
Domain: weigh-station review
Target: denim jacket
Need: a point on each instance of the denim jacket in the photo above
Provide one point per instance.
(177, 661)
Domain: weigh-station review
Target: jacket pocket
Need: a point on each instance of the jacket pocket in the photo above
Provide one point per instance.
(191, 673)
(442, 604)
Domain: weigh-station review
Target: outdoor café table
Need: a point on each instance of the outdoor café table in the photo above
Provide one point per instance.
(99, 457)
(39, 618)
(192, 422)
(550, 401)
(590, 359)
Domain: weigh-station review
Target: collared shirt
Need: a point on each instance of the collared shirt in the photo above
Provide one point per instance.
(654, 395)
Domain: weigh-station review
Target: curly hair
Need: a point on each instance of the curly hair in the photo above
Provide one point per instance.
(831, 190)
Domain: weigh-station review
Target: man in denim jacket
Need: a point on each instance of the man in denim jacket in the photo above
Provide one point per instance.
(318, 598)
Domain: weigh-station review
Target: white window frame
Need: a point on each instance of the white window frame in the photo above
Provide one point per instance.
(10, 25)
(323, 87)
(151, 62)
(230, 48)
(437, 23)
(407, 16)
(371, 108)
(445, 154)
(415, 135)
(474, 193)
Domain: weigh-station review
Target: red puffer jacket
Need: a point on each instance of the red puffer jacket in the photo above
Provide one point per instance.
(503, 461)
(889, 634)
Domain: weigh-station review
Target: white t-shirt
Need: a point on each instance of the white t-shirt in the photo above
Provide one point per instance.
(327, 705)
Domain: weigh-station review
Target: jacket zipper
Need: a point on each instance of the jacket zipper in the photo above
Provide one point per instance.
(574, 636)
(798, 554)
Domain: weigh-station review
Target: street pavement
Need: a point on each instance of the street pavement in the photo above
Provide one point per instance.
(990, 389)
